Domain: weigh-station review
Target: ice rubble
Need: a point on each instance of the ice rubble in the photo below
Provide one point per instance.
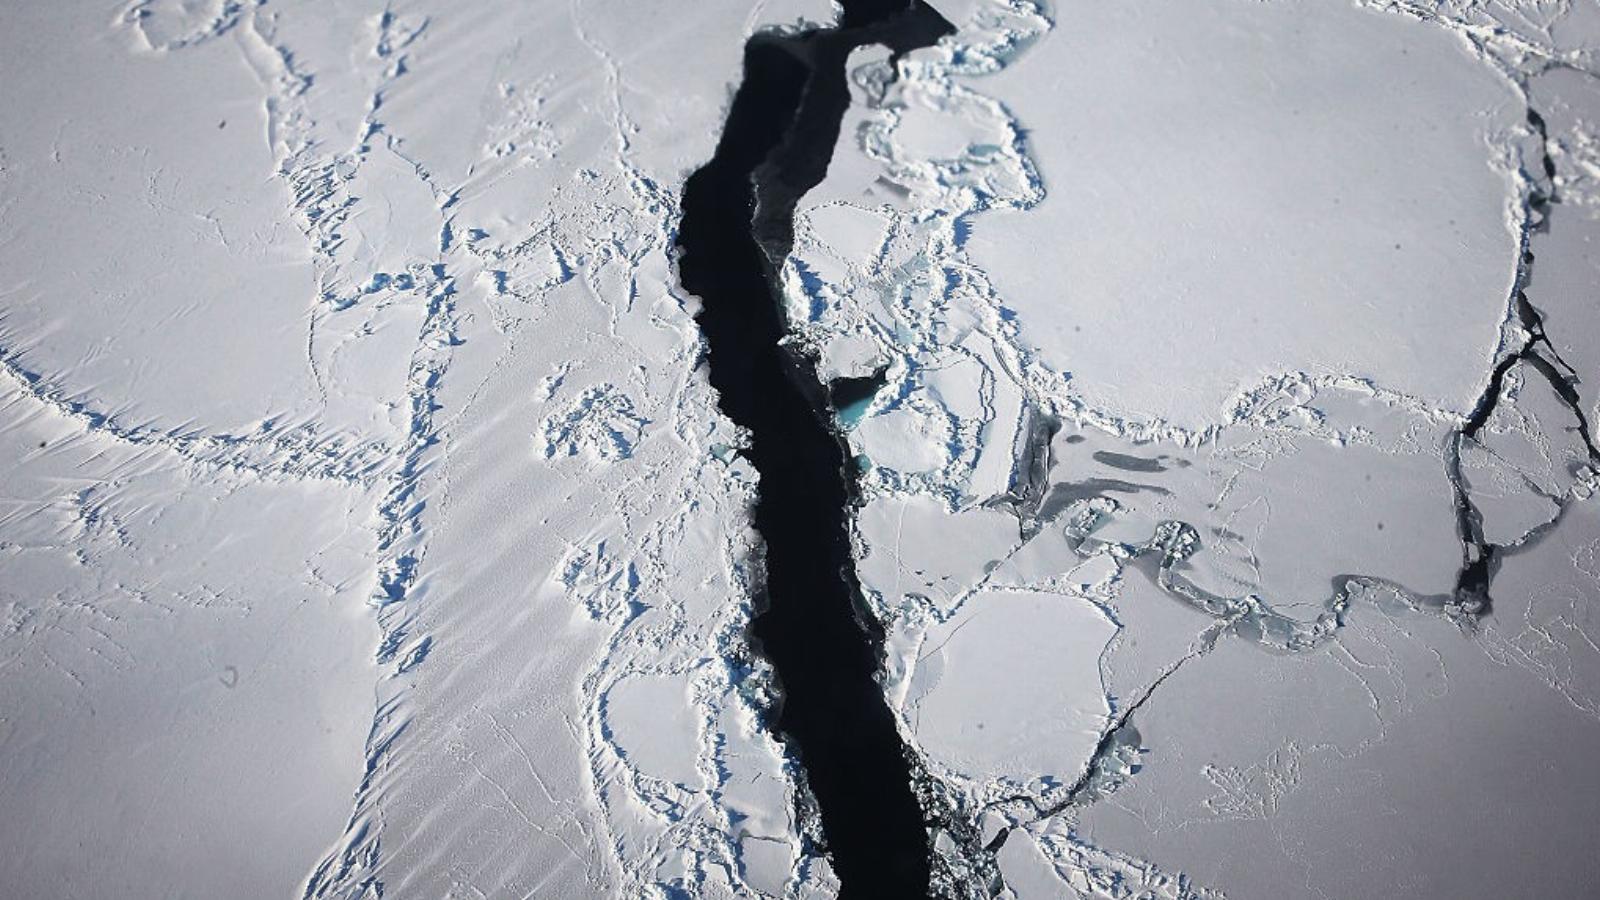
(1342, 495)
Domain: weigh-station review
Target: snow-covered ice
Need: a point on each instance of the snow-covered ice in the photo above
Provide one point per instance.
(1224, 479)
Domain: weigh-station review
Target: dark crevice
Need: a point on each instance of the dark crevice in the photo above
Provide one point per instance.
(1112, 761)
(812, 624)
(851, 390)
(1480, 558)
(1030, 472)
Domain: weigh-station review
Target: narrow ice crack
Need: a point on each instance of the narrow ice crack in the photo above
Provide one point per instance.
(1114, 753)
(1480, 556)
(827, 650)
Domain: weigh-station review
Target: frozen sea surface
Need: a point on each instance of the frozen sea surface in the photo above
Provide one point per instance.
(1222, 377)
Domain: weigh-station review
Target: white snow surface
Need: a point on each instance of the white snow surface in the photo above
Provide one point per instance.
(360, 516)
(368, 527)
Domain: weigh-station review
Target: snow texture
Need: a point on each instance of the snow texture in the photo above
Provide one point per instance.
(369, 528)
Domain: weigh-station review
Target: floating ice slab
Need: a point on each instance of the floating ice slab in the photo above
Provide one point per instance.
(1238, 189)
(1267, 774)
(1009, 686)
(1221, 284)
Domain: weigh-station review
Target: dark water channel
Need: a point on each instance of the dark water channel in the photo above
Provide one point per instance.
(738, 221)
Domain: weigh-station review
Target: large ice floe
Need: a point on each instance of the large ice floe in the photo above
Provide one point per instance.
(1192, 402)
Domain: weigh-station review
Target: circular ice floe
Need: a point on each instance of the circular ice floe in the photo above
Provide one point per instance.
(1009, 687)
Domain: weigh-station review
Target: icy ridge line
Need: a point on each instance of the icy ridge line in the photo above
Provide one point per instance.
(271, 453)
